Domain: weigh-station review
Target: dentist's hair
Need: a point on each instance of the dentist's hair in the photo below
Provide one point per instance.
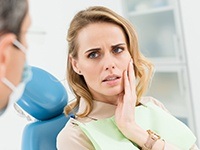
(97, 14)
(12, 14)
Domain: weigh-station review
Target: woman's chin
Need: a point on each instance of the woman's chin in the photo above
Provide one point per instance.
(115, 92)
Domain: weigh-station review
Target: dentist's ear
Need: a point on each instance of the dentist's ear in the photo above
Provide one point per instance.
(6, 42)
(74, 65)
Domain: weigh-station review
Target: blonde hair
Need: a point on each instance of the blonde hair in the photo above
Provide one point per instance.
(143, 68)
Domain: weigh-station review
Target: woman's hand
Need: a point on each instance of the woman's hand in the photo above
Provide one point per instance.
(125, 111)
(124, 114)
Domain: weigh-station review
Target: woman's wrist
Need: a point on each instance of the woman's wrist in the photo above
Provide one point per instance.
(159, 145)
(141, 137)
(136, 134)
(151, 140)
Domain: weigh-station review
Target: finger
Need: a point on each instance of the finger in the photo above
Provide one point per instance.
(132, 81)
(129, 95)
(120, 97)
(127, 88)
(131, 75)
(119, 105)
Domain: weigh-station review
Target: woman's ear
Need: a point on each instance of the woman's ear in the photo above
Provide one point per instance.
(6, 41)
(74, 65)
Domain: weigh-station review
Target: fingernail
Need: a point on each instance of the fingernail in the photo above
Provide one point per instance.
(131, 61)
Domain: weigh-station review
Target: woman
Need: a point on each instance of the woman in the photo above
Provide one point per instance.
(14, 73)
(108, 76)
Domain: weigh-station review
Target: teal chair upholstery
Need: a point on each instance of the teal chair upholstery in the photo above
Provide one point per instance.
(42, 102)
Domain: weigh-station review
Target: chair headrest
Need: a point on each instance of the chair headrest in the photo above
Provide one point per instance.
(44, 96)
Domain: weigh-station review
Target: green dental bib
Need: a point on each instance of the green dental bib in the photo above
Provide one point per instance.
(105, 135)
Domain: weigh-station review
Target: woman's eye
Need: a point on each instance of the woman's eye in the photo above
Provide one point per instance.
(93, 55)
(118, 50)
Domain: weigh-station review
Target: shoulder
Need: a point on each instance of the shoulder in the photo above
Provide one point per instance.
(72, 137)
(148, 99)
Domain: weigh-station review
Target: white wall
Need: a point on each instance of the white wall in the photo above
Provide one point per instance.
(191, 24)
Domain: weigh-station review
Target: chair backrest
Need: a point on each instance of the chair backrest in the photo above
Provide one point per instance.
(44, 99)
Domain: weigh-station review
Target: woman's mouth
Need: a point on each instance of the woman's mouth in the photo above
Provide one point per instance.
(111, 80)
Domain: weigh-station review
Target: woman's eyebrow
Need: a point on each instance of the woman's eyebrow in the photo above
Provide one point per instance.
(98, 49)
(92, 50)
(116, 45)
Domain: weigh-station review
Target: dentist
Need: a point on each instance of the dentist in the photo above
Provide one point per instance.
(14, 71)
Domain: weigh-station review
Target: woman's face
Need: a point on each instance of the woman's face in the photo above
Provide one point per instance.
(102, 58)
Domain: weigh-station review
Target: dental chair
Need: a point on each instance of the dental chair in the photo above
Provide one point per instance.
(42, 103)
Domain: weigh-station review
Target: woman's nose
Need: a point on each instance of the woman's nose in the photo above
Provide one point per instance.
(110, 67)
(109, 63)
